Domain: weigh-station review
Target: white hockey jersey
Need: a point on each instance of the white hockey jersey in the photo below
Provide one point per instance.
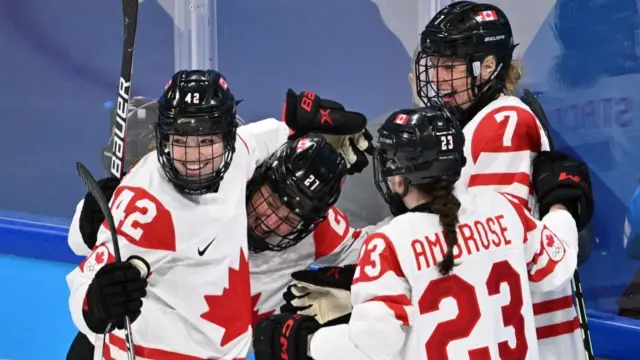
(501, 142)
(198, 303)
(404, 309)
(333, 243)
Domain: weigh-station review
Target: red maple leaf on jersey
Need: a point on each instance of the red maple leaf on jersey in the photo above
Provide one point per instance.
(99, 257)
(550, 240)
(255, 314)
(231, 310)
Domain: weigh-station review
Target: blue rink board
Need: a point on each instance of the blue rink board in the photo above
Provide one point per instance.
(34, 259)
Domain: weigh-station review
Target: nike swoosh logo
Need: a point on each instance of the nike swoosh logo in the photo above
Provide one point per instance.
(201, 252)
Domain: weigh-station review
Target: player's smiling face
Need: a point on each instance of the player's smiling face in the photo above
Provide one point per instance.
(449, 77)
(196, 156)
(268, 216)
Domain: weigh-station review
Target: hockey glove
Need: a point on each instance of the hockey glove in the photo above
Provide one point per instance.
(116, 291)
(559, 179)
(324, 293)
(354, 149)
(345, 130)
(283, 336)
(91, 217)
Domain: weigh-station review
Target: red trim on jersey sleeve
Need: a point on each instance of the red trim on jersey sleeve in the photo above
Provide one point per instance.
(149, 352)
(85, 302)
(527, 222)
(396, 303)
(504, 179)
(553, 305)
(506, 129)
(561, 328)
(493, 179)
(244, 142)
(377, 257)
(331, 233)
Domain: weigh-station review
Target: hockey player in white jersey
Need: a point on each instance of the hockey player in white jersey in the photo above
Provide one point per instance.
(449, 278)
(284, 176)
(181, 209)
(465, 61)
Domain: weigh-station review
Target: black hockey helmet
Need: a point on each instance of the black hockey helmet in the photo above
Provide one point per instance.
(291, 192)
(196, 130)
(453, 47)
(140, 133)
(422, 145)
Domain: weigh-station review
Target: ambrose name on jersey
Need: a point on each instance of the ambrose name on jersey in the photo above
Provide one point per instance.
(479, 236)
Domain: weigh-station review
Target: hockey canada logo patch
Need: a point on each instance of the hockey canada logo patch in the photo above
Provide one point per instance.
(98, 258)
(552, 245)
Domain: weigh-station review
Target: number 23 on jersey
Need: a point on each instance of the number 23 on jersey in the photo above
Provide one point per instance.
(378, 257)
(141, 219)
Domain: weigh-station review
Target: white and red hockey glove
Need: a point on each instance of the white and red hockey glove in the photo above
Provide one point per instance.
(324, 293)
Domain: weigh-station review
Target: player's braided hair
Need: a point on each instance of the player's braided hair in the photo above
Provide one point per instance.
(446, 205)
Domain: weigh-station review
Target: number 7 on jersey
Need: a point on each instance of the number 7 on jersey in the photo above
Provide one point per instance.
(511, 117)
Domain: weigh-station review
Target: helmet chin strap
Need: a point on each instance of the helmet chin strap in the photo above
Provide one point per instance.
(395, 200)
(488, 91)
(480, 102)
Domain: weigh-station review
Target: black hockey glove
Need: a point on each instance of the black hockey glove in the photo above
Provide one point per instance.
(559, 179)
(345, 130)
(283, 336)
(306, 112)
(91, 217)
(324, 293)
(116, 291)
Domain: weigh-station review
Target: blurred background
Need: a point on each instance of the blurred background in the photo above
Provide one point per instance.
(61, 62)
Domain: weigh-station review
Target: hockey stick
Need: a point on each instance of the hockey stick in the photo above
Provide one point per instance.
(130, 13)
(538, 111)
(93, 188)
(130, 20)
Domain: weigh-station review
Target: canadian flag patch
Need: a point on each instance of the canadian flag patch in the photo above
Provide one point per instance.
(489, 15)
(303, 143)
(223, 83)
(98, 258)
(552, 245)
(401, 119)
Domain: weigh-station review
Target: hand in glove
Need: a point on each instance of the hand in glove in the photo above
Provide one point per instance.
(345, 130)
(91, 217)
(324, 293)
(283, 336)
(116, 291)
(354, 149)
(559, 179)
